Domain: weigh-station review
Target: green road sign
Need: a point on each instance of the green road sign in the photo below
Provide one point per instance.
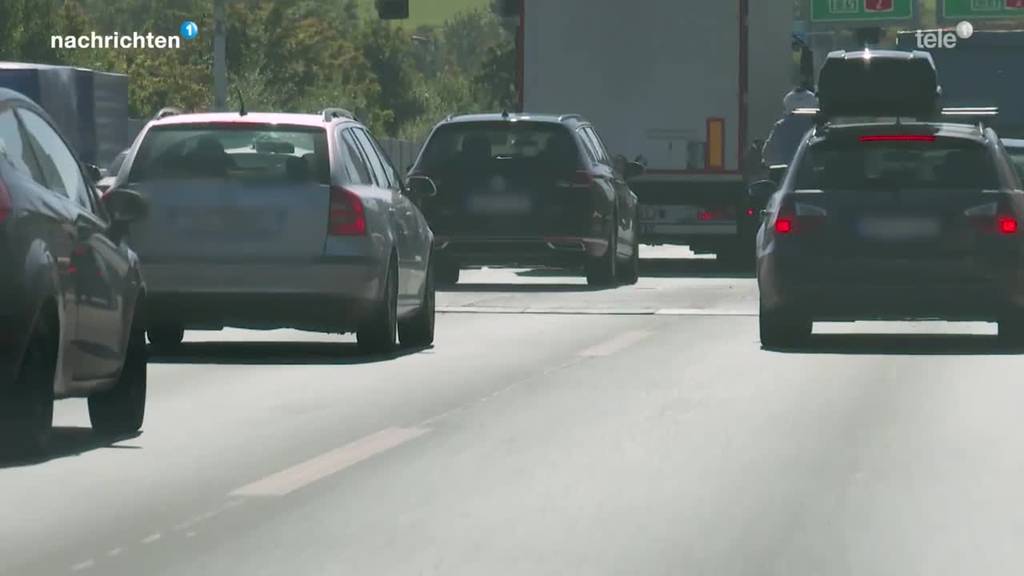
(854, 11)
(975, 9)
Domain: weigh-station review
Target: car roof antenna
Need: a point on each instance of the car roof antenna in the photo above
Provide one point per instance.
(241, 103)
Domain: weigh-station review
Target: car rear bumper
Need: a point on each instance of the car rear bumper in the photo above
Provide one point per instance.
(970, 292)
(519, 250)
(326, 296)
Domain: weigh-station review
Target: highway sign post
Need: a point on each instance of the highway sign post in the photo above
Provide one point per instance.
(981, 9)
(861, 11)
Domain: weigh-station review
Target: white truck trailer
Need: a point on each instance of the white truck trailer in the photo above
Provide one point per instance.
(685, 85)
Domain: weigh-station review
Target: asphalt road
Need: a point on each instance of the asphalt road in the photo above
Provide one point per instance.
(646, 432)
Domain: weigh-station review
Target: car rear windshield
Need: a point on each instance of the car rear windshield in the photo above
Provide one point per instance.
(263, 153)
(942, 164)
(472, 146)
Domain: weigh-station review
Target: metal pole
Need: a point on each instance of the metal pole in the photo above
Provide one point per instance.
(220, 65)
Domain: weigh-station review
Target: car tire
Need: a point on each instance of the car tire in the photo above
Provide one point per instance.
(602, 271)
(784, 328)
(418, 330)
(121, 409)
(1011, 330)
(378, 333)
(447, 273)
(629, 273)
(27, 417)
(166, 336)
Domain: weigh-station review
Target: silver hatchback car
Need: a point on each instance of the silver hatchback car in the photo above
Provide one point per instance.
(279, 220)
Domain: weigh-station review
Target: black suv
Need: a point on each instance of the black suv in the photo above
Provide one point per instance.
(526, 189)
(70, 288)
(916, 216)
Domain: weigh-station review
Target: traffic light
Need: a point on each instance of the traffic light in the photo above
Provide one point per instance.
(393, 9)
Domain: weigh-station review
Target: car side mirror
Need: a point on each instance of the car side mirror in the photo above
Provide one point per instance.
(421, 187)
(633, 169)
(94, 172)
(761, 191)
(125, 206)
(777, 173)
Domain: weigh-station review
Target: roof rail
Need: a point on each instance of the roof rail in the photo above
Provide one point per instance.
(168, 111)
(332, 113)
(966, 114)
(565, 117)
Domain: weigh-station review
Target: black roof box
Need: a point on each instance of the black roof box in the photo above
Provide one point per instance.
(879, 83)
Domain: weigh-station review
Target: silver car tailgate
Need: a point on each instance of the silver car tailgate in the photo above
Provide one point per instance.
(216, 220)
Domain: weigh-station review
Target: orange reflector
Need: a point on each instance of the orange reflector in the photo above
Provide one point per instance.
(715, 158)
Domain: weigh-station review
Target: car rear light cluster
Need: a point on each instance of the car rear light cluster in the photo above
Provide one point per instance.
(347, 216)
(801, 217)
(579, 179)
(5, 203)
(990, 218)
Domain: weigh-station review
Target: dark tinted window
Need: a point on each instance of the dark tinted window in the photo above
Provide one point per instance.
(353, 161)
(469, 144)
(14, 150)
(242, 152)
(599, 149)
(1017, 157)
(58, 164)
(943, 164)
(376, 164)
(389, 170)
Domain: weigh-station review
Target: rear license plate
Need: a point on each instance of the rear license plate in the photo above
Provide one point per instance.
(900, 229)
(500, 204)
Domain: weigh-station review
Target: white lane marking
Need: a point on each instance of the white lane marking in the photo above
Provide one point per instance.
(303, 474)
(83, 565)
(620, 342)
(595, 311)
(151, 538)
(115, 552)
(702, 312)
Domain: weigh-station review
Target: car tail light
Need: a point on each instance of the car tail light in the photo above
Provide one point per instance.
(5, 203)
(989, 218)
(1007, 225)
(800, 217)
(898, 138)
(579, 179)
(347, 216)
(783, 225)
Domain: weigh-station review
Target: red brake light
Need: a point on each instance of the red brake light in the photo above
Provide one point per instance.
(898, 138)
(783, 225)
(579, 179)
(5, 203)
(1007, 225)
(347, 215)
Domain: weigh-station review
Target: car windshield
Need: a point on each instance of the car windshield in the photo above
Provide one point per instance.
(232, 152)
(946, 164)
